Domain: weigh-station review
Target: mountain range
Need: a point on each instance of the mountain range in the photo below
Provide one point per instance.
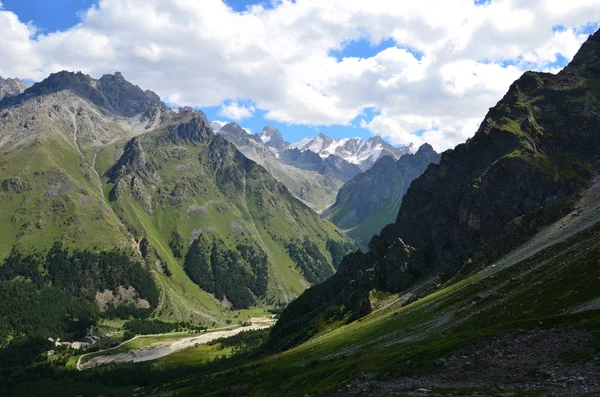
(363, 153)
(313, 169)
(315, 183)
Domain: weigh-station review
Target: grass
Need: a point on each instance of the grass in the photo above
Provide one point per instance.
(196, 356)
(34, 220)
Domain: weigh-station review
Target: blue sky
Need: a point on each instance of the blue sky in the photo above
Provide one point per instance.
(48, 15)
(447, 61)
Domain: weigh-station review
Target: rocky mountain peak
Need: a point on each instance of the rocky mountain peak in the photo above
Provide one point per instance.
(236, 134)
(376, 139)
(233, 128)
(270, 130)
(111, 93)
(588, 56)
(425, 148)
(273, 139)
(11, 87)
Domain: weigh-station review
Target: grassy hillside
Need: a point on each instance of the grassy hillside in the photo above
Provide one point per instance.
(48, 194)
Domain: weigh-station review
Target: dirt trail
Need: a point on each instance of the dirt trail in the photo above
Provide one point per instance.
(162, 349)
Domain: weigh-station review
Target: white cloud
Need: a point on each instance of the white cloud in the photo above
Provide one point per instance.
(236, 112)
(203, 53)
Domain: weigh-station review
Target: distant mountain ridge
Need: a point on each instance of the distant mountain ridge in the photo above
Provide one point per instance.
(313, 169)
(371, 200)
(308, 177)
(11, 87)
(363, 153)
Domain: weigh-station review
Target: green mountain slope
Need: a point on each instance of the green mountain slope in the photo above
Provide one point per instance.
(104, 165)
(183, 180)
(371, 200)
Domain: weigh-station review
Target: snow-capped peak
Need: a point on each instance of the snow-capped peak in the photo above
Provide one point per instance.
(361, 152)
(273, 139)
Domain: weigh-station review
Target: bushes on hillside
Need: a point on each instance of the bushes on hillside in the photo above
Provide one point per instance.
(244, 341)
(309, 259)
(339, 249)
(240, 274)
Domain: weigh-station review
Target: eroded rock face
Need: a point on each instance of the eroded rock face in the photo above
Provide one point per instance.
(111, 93)
(122, 295)
(534, 148)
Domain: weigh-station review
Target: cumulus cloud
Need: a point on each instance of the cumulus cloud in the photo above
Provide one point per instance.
(235, 111)
(451, 59)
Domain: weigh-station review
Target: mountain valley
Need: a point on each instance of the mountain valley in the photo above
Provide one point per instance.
(314, 170)
(151, 251)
